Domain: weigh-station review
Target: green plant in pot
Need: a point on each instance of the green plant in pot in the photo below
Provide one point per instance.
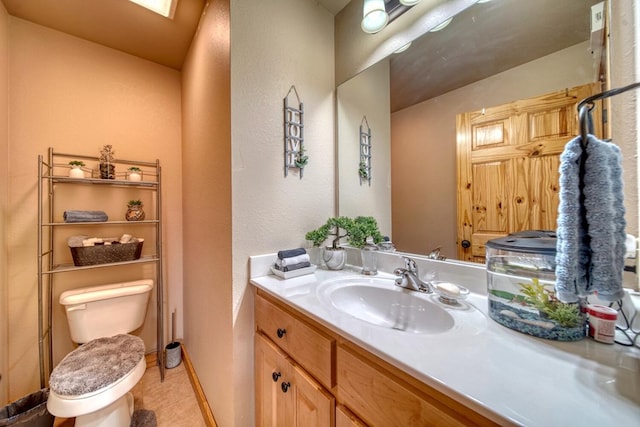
(363, 228)
(302, 159)
(134, 211)
(134, 174)
(76, 169)
(355, 231)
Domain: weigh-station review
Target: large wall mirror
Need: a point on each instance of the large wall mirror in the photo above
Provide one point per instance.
(490, 54)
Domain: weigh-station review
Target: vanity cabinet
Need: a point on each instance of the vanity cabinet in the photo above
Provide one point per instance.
(286, 394)
(313, 348)
(382, 395)
(336, 382)
(345, 418)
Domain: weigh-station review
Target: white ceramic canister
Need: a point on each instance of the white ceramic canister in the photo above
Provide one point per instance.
(134, 176)
(602, 323)
(76, 172)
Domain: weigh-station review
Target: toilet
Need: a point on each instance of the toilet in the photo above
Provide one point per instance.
(93, 382)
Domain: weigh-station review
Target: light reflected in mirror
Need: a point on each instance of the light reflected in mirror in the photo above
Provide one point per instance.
(489, 55)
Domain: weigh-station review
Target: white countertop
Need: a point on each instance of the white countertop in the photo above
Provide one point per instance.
(499, 372)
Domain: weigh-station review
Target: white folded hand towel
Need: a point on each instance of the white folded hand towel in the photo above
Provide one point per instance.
(293, 260)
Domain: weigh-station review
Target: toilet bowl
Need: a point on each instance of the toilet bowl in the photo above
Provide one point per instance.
(93, 382)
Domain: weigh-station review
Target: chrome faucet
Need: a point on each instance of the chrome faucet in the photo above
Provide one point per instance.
(409, 277)
(435, 254)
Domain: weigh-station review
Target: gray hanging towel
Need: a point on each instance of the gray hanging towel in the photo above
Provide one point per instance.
(591, 234)
(572, 244)
(604, 205)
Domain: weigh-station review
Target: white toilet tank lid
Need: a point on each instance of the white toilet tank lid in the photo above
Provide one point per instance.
(113, 290)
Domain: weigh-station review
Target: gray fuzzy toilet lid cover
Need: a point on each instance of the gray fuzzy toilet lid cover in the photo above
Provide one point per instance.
(96, 364)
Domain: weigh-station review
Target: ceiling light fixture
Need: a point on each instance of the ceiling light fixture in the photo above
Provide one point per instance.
(409, 2)
(165, 8)
(441, 26)
(403, 48)
(374, 16)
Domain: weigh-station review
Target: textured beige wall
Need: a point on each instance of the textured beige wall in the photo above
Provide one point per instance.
(423, 149)
(275, 44)
(367, 94)
(206, 147)
(4, 192)
(625, 108)
(75, 96)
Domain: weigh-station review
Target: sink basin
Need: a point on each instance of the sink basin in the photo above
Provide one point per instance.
(380, 302)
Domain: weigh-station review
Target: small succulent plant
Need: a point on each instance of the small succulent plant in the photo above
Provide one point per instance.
(363, 170)
(302, 160)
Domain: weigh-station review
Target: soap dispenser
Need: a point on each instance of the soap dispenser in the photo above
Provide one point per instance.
(369, 253)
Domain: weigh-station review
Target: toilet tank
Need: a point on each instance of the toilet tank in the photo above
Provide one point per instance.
(106, 310)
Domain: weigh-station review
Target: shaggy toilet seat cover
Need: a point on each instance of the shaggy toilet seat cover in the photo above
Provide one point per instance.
(96, 364)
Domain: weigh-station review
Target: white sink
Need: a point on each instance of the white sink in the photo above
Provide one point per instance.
(380, 302)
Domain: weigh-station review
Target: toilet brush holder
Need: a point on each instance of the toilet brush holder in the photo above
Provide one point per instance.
(173, 355)
(173, 350)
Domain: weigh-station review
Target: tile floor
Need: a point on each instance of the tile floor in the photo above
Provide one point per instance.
(173, 400)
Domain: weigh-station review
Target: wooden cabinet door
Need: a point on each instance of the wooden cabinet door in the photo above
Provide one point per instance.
(312, 405)
(344, 418)
(508, 161)
(286, 395)
(271, 366)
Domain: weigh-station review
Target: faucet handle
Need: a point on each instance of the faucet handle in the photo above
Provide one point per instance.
(410, 264)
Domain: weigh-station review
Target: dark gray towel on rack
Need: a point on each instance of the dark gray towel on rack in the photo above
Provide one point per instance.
(590, 245)
(85, 216)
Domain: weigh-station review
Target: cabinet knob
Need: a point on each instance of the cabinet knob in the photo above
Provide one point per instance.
(285, 386)
(465, 244)
(275, 376)
(281, 332)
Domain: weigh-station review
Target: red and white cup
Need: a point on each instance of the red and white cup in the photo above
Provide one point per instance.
(602, 323)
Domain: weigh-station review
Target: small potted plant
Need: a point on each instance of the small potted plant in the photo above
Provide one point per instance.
(135, 174)
(134, 211)
(356, 231)
(302, 159)
(363, 171)
(363, 228)
(76, 169)
(107, 168)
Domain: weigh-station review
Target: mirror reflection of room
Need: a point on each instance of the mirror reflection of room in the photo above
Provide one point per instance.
(491, 58)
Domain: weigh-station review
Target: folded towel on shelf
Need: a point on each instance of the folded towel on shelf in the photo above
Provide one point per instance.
(290, 253)
(293, 267)
(590, 233)
(84, 216)
(285, 262)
